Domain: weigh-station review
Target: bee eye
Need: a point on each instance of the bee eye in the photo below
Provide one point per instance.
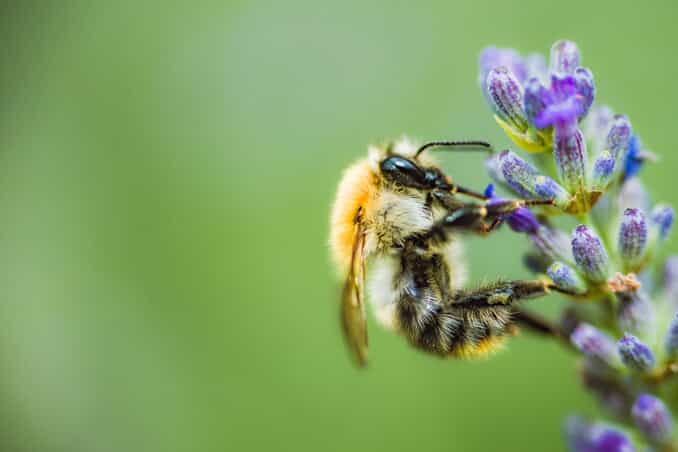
(404, 172)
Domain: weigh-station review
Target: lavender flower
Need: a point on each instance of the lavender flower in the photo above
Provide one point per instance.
(619, 136)
(564, 57)
(585, 87)
(606, 439)
(562, 102)
(635, 157)
(671, 340)
(526, 180)
(522, 220)
(670, 277)
(594, 344)
(662, 220)
(653, 419)
(566, 278)
(594, 170)
(553, 244)
(589, 254)
(632, 238)
(506, 97)
(578, 434)
(570, 156)
(634, 354)
(582, 436)
(597, 126)
(603, 170)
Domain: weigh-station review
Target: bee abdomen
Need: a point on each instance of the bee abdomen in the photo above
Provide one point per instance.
(451, 329)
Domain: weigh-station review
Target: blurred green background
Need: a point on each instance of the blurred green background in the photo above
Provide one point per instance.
(166, 172)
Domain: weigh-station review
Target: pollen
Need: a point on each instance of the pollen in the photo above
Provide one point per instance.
(481, 349)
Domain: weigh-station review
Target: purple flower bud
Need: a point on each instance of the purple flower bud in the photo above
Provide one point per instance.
(506, 97)
(547, 188)
(603, 169)
(533, 98)
(564, 57)
(493, 168)
(662, 219)
(519, 174)
(635, 355)
(566, 278)
(492, 57)
(594, 344)
(570, 156)
(586, 88)
(562, 103)
(523, 220)
(671, 340)
(578, 434)
(635, 313)
(619, 136)
(525, 180)
(553, 243)
(589, 254)
(652, 418)
(670, 275)
(597, 126)
(635, 158)
(633, 194)
(632, 238)
(607, 439)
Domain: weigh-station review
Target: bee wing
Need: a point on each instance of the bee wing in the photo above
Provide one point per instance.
(353, 320)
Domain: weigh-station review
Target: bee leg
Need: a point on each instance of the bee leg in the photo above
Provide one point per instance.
(463, 323)
(501, 293)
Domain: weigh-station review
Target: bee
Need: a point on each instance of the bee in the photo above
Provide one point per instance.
(397, 213)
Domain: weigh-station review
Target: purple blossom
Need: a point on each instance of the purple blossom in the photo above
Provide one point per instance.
(559, 105)
(632, 237)
(569, 151)
(564, 57)
(522, 220)
(603, 169)
(662, 219)
(607, 439)
(635, 157)
(506, 97)
(670, 276)
(619, 136)
(553, 244)
(594, 344)
(585, 87)
(566, 278)
(635, 354)
(597, 126)
(652, 418)
(589, 254)
(671, 340)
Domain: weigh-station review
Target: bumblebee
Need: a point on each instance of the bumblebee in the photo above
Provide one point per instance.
(397, 213)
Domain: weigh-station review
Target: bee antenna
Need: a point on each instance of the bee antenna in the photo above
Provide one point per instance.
(460, 145)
